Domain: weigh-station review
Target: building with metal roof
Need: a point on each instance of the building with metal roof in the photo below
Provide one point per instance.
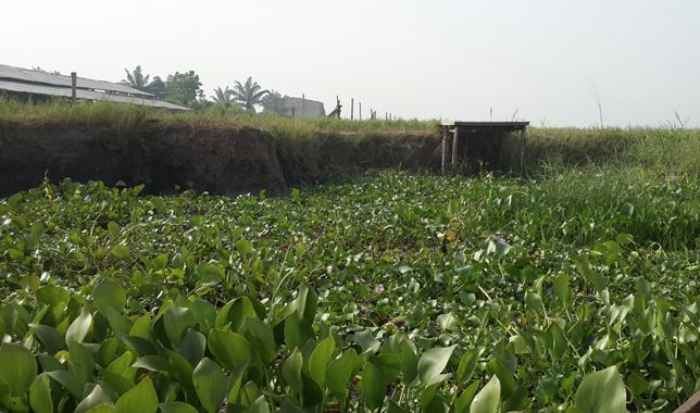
(28, 82)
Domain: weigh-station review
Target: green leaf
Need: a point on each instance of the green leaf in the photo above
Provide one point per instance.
(291, 370)
(96, 397)
(592, 277)
(447, 322)
(562, 288)
(50, 338)
(602, 392)
(465, 399)
(235, 312)
(210, 273)
(409, 360)
(142, 398)
(488, 400)
(18, 368)
(82, 361)
(244, 247)
(79, 328)
(210, 383)
(259, 406)
(105, 407)
(177, 407)
(110, 299)
(68, 380)
(193, 346)
(372, 386)
(318, 361)
(467, 365)
(432, 363)
(340, 372)
(120, 251)
(176, 321)
(40, 394)
(262, 337)
(534, 303)
(109, 293)
(229, 348)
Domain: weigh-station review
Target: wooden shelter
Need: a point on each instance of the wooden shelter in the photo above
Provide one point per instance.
(479, 143)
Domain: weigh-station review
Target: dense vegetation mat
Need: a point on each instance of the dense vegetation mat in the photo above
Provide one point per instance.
(576, 293)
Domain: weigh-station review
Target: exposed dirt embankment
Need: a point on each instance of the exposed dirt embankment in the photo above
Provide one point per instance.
(219, 160)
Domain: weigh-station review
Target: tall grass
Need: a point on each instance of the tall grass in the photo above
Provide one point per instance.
(60, 113)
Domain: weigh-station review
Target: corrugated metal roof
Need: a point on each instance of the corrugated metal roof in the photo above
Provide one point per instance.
(19, 87)
(35, 76)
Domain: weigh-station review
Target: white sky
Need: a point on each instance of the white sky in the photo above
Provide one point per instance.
(445, 59)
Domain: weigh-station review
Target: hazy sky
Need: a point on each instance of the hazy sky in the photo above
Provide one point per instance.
(549, 60)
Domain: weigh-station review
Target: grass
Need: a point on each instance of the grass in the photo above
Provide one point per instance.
(129, 116)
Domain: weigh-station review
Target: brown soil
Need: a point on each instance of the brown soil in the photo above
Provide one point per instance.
(218, 160)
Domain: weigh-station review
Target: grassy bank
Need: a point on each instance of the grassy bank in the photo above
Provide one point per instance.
(671, 151)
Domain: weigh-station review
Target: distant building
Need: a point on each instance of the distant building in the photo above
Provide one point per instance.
(300, 108)
(28, 83)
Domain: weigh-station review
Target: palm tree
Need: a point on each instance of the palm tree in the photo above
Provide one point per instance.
(136, 79)
(248, 94)
(223, 96)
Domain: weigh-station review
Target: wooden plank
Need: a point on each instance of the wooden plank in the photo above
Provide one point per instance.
(455, 145)
(523, 145)
(691, 406)
(443, 161)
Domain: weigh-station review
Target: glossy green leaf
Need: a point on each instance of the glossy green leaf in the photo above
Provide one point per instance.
(319, 359)
(488, 400)
(79, 328)
(142, 398)
(230, 349)
(40, 398)
(211, 384)
(96, 397)
(431, 364)
(602, 392)
(176, 321)
(260, 405)
(291, 371)
(177, 407)
(372, 386)
(340, 371)
(18, 368)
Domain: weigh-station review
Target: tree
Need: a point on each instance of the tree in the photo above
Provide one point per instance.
(223, 97)
(139, 81)
(273, 102)
(157, 87)
(184, 88)
(136, 78)
(248, 94)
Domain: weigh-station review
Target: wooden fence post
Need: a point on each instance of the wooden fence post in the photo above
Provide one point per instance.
(352, 109)
(443, 160)
(523, 146)
(74, 86)
(455, 144)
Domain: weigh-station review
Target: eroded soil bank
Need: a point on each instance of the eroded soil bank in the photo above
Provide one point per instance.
(218, 160)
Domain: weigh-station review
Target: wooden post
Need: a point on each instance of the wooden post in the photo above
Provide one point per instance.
(352, 109)
(360, 104)
(523, 145)
(74, 86)
(443, 161)
(455, 144)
